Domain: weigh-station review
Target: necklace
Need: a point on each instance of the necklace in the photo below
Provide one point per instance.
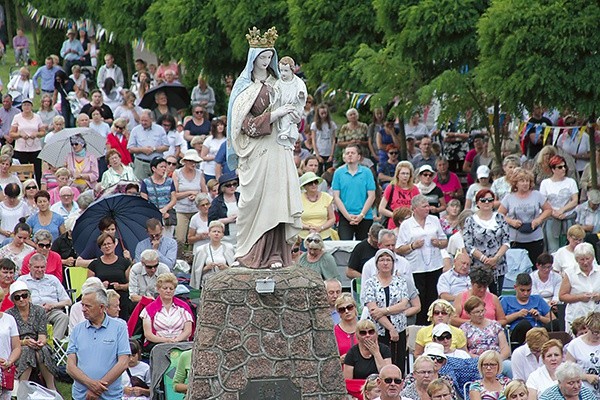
(316, 198)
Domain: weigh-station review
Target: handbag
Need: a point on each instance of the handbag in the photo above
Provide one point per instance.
(8, 378)
(136, 381)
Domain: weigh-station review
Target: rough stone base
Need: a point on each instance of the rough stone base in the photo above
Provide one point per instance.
(242, 335)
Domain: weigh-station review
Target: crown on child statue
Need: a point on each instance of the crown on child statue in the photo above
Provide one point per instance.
(255, 39)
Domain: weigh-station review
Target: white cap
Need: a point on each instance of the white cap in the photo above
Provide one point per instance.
(483, 171)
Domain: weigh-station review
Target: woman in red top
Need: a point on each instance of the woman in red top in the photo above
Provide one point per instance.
(345, 330)
(399, 192)
(117, 139)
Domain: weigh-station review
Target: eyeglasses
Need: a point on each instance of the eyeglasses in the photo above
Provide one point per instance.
(427, 174)
(342, 310)
(560, 167)
(151, 266)
(397, 381)
(437, 359)
(439, 312)
(311, 240)
(171, 163)
(30, 187)
(444, 336)
(155, 235)
(23, 296)
(367, 332)
(486, 200)
(232, 184)
(44, 245)
(489, 365)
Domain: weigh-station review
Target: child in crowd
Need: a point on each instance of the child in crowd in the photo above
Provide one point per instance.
(524, 310)
(136, 378)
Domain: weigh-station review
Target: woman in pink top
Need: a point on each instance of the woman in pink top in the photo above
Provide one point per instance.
(27, 129)
(480, 280)
(399, 192)
(345, 331)
(447, 181)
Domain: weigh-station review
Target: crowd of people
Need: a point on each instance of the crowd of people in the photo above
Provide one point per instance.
(435, 234)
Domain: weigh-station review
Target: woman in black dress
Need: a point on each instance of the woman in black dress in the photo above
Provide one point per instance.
(113, 271)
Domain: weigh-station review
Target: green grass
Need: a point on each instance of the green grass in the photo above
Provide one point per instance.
(64, 389)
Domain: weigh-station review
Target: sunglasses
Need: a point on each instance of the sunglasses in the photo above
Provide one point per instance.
(151, 266)
(392, 153)
(397, 381)
(559, 167)
(295, 250)
(171, 163)
(438, 312)
(232, 184)
(119, 127)
(367, 332)
(342, 310)
(199, 112)
(486, 200)
(437, 359)
(444, 336)
(30, 187)
(44, 245)
(427, 175)
(23, 296)
(311, 240)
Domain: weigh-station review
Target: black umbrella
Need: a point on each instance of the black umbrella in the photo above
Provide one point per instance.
(177, 96)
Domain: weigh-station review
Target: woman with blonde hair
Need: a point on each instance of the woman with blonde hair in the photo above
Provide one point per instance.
(399, 192)
(367, 356)
(439, 312)
(371, 390)
(516, 390)
(525, 210)
(345, 330)
(491, 386)
(46, 112)
(541, 168)
(22, 85)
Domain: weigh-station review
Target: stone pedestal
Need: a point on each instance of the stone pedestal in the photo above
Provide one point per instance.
(244, 337)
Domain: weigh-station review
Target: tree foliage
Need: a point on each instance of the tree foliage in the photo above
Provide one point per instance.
(326, 34)
(541, 51)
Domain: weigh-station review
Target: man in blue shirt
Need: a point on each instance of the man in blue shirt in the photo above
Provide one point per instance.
(166, 247)
(525, 311)
(98, 351)
(71, 51)
(46, 74)
(146, 141)
(353, 193)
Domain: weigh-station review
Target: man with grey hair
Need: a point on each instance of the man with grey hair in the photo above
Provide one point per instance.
(390, 382)
(66, 207)
(98, 351)
(47, 292)
(387, 240)
(146, 141)
(333, 287)
(76, 311)
(456, 280)
(569, 386)
(143, 274)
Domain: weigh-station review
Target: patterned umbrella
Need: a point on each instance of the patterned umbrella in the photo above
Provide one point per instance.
(58, 148)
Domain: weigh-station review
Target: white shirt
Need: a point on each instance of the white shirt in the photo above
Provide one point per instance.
(565, 259)
(60, 209)
(549, 289)
(540, 380)
(453, 283)
(580, 283)
(427, 258)
(524, 362)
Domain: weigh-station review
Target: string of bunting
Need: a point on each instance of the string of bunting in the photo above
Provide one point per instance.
(356, 99)
(61, 23)
(545, 131)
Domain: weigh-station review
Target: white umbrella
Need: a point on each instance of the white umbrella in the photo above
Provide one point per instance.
(58, 148)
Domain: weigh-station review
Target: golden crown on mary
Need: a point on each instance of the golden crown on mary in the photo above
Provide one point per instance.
(255, 39)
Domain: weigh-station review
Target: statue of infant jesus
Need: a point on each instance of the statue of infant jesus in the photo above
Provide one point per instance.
(289, 89)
